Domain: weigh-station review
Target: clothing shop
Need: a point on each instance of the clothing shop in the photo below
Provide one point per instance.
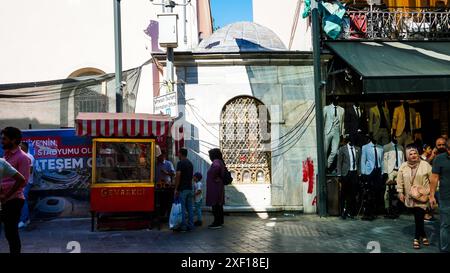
(380, 98)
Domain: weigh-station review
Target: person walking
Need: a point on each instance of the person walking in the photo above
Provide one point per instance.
(441, 175)
(440, 148)
(25, 215)
(6, 170)
(164, 176)
(11, 193)
(184, 190)
(215, 189)
(413, 187)
(427, 151)
(198, 198)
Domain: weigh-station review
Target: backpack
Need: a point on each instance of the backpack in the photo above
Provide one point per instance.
(227, 178)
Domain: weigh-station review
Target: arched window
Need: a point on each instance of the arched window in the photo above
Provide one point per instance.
(245, 140)
(90, 99)
(76, 99)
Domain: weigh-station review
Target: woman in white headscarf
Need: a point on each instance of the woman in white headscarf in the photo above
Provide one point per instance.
(413, 186)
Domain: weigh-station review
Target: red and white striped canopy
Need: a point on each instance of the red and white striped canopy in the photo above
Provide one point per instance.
(122, 125)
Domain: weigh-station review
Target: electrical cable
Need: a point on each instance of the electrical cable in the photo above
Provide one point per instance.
(52, 90)
(286, 142)
(296, 126)
(204, 127)
(293, 145)
(294, 139)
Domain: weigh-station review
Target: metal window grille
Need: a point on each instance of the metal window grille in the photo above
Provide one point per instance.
(87, 99)
(245, 140)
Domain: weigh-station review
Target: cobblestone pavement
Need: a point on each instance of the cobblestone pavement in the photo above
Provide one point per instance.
(241, 233)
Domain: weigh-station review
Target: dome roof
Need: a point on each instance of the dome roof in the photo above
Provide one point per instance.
(241, 37)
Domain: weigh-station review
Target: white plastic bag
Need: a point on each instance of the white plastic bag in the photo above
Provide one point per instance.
(175, 215)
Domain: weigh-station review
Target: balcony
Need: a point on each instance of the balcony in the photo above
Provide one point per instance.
(377, 23)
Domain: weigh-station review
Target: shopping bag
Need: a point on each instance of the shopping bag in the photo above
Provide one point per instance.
(175, 215)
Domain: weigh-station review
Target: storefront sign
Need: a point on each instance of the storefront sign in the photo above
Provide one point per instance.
(166, 104)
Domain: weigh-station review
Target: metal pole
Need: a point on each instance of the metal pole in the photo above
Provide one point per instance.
(185, 22)
(118, 55)
(321, 163)
(170, 74)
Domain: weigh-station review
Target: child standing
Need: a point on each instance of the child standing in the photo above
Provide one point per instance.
(198, 198)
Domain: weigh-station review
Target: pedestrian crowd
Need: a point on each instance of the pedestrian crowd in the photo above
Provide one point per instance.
(422, 184)
(189, 190)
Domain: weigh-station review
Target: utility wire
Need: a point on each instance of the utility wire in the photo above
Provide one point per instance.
(295, 141)
(297, 128)
(294, 129)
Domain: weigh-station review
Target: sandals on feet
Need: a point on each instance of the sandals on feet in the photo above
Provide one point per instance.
(416, 244)
(425, 242)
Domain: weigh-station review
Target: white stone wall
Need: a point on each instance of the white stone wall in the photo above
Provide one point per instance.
(50, 39)
(287, 91)
(279, 16)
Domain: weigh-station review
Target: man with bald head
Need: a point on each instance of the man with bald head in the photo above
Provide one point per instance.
(440, 148)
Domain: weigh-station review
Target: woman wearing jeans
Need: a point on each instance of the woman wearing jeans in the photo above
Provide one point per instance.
(215, 190)
(415, 172)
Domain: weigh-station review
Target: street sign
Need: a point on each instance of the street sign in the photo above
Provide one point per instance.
(167, 104)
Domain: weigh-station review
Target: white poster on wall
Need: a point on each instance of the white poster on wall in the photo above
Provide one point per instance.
(166, 104)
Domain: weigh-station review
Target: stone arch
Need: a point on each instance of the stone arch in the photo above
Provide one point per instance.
(70, 97)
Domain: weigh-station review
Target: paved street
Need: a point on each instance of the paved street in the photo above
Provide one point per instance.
(242, 233)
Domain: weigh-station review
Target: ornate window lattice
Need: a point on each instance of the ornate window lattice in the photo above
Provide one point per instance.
(89, 100)
(245, 140)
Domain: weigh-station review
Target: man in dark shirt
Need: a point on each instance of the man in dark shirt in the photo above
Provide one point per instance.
(441, 175)
(184, 190)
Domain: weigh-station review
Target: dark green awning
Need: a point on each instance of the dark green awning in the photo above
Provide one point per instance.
(398, 67)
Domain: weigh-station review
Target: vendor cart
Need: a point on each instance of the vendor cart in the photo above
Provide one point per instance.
(123, 160)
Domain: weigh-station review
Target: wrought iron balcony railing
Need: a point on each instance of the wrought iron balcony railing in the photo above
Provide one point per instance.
(399, 24)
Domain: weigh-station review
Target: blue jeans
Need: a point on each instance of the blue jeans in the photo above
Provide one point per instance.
(444, 213)
(25, 214)
(187, 202)
(198, 209)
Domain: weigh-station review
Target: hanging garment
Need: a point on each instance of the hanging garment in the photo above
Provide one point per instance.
(332, 18)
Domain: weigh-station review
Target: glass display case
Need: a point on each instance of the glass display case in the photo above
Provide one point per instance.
(118, 161)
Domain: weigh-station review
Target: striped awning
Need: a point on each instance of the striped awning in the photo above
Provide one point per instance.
(122, 125)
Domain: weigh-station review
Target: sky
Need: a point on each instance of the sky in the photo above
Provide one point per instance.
(225, 12)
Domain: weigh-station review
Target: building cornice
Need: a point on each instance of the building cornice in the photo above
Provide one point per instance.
(280, 58)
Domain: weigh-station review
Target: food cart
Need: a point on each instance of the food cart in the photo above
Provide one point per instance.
(123, 159)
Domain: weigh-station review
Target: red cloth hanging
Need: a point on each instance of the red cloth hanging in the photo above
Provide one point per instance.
(308, 174)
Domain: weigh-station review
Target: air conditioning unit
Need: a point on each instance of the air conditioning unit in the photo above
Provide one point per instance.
(168, 29)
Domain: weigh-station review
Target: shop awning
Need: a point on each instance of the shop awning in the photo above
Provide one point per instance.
(122, 125)
(398, 67)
